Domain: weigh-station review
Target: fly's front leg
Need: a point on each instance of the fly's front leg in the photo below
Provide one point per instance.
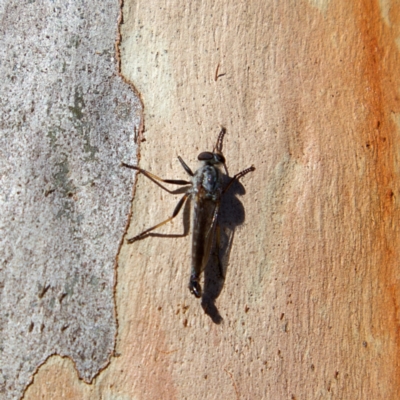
(156, 179)
(174, 214)
(238, 176)
(185, 166)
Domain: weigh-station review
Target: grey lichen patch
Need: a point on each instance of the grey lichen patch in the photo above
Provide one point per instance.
(79, 104)
(66, 189)
(67, 121)
(53, 132)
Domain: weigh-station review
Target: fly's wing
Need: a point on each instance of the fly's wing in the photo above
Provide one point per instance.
(205, 213)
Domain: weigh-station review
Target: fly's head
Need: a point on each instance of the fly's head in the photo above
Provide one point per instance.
(209, 158)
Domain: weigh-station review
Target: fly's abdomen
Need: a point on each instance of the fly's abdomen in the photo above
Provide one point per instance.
(205, 210)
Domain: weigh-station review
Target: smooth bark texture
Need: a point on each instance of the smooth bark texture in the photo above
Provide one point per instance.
(309, 94)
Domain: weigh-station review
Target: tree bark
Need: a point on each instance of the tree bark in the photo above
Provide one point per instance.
(309, 306)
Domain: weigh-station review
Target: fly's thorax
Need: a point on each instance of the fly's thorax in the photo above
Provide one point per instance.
(208, 179)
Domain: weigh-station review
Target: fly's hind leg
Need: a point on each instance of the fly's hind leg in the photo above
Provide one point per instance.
(156, 179)
(174, 214)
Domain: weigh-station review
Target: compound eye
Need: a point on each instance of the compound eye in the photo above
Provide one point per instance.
(220, 158)
(206, 156)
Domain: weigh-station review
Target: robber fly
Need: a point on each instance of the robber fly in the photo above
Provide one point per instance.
(206, 189)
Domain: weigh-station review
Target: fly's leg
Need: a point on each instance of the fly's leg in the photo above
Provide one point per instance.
(157, 179)
(185, 166)
(238, 176)
(174, 214)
